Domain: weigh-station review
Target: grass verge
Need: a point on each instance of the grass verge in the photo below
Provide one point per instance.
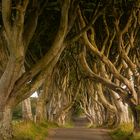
(123, 132)
(68, 124)
(31, 131)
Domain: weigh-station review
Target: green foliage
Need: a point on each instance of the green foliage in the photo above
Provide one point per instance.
(76, 109)
(17, 112)
(31, 131)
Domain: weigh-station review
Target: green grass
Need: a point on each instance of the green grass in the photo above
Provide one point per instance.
(123, 132)
(31, 131)
(91, 126)
(68, 124)
(120, 135)
(136, 137)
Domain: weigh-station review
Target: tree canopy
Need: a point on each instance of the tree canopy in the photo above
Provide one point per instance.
(83, 52)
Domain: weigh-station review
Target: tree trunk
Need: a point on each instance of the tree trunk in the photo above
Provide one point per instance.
(41, 113)
(26, 110)
(122, 110)
(40, 110)
(5, 123)
(62, 119)
(49, 115)
(136, 116)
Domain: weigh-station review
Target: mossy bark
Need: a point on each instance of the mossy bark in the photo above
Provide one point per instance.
(136, 117)
(5, 123)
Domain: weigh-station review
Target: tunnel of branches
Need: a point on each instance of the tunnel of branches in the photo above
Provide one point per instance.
(78, 55)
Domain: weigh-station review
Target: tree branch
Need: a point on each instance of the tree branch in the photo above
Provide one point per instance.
(30, 27)
(91, 75)
(109, 64)
(6, 14)
(25, 82)
(107, 32)
(20, 17)
(87, 27)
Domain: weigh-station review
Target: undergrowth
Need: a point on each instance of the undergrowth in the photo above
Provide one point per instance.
(68, 124)
(31, 131)
(124, 132)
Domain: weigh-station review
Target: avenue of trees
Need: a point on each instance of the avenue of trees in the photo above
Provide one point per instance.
(76, 54)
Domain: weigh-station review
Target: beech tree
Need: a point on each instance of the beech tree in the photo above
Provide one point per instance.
(15, 41)
(19, 25)
(62, 92)
(120, 39)
(111, 33)
(32, 39)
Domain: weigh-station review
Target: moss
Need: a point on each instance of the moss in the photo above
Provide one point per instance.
(31, 131)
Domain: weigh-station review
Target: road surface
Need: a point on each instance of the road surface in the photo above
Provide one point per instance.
(78, 134)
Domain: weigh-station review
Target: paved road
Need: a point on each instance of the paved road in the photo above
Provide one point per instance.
(78, 134)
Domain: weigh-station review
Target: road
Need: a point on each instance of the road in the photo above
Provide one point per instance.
(78, 134)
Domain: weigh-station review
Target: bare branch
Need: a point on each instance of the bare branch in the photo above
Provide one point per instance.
(108, 63)
(6, 13)
(73, 13)
(53, 54)
(97, 78)
(86, 27)
(30, 27)
(110, 43)
(128, 24)
(43, 7)
(107, 32)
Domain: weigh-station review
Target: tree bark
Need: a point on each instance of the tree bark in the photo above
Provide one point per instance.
(122, 109)
(40, 111)
(136, 114)
(43, 96)
(5, 122)
(26, 110)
